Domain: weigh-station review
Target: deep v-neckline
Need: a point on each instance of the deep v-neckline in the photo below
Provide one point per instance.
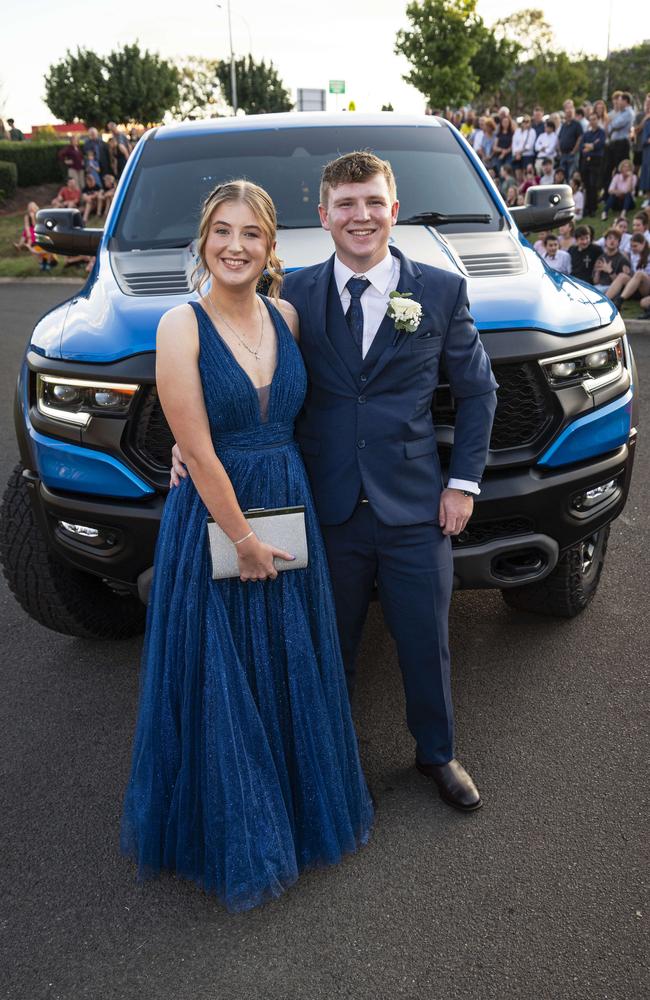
(239, 366)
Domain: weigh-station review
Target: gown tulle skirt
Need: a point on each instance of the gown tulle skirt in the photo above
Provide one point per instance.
(245, 766)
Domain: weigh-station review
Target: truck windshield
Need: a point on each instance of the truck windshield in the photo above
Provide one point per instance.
(174, 175)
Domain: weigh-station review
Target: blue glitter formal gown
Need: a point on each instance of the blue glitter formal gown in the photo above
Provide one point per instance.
(245, 765)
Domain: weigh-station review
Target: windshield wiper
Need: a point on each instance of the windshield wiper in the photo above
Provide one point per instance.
(440, 219)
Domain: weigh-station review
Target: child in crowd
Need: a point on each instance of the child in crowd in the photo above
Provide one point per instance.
(92, 167)
(91, 199)
(538, 245)
(578, 197)
(640, 224)
(507, 180)
(621, 228)
(567, 238)
(28, 239)
(530, 179)
(559, 177)
(611, 263)
(546, 176)
(558, 259)
(109, 193)
(584, 255)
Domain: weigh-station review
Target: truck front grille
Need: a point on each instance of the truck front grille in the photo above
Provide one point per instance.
(524, 414)
(479, 532)
(525, 409)
(151, 438)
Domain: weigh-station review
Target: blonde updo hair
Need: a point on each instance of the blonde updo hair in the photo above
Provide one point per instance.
(262, 206)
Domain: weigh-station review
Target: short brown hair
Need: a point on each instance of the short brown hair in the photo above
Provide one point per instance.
(582, 231)
(355, 168)
(613, 232)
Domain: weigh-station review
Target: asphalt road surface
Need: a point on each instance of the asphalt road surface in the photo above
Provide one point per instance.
(542, 894)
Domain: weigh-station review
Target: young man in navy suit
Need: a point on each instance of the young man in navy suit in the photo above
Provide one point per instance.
(369, 444)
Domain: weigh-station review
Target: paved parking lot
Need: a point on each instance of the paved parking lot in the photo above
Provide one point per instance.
(543, 895)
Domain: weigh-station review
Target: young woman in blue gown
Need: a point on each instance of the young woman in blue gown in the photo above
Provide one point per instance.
(245, 765)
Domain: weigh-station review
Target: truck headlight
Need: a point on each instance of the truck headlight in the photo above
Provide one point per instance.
(75, 400)
(591, 368)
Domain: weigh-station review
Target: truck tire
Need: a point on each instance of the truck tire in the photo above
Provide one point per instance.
(56, 595)
(566, 591)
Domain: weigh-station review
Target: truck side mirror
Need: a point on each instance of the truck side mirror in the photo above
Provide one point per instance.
(547, 206)
(61, 230)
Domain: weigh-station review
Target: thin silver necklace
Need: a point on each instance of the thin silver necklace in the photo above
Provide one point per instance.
(253, 351)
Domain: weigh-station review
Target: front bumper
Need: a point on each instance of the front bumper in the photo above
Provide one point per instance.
(522, 523)
(524, 519)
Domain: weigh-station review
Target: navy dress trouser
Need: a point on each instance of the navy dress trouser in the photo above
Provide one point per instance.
(414, 571)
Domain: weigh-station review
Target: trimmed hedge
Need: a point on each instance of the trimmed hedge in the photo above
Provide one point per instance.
(8, 180)
(36, 162)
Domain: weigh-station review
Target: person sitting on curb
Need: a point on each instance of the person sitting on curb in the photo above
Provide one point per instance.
(611, 263)
(91, 199)
(109, 193)
(68, 196)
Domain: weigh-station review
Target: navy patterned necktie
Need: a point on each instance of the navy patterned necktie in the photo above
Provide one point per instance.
(354, 315)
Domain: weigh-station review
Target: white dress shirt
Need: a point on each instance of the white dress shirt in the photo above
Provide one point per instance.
(560, 262)
(384, 279)
(546, 145)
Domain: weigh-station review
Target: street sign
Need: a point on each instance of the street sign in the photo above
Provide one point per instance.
(311, 100)
(337, 86)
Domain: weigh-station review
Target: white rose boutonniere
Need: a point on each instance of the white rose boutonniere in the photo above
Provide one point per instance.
(406, 315)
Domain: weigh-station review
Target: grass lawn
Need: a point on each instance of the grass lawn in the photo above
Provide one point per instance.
(23, 264)
(14, 264)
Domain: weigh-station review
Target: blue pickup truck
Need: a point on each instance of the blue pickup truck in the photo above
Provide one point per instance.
(81, 510)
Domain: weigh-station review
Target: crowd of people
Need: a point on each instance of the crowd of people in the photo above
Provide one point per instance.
(92, 169)
(605, 157)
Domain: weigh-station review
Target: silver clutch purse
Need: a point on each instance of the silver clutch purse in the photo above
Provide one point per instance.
(281, 527)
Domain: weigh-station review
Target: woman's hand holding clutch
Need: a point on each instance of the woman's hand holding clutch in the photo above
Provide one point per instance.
(256, 560)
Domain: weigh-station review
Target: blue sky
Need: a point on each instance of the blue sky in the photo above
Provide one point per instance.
(309, 43)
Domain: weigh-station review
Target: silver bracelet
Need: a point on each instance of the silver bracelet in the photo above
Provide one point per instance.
(250, 533)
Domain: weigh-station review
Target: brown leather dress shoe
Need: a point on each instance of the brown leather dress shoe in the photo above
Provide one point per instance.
(455, 786)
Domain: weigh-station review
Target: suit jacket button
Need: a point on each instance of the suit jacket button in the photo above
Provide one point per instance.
(361, 399)
(364, 378)
(361, 443)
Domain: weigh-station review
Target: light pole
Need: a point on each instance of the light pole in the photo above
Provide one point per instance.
(233, 70)
(609, 34)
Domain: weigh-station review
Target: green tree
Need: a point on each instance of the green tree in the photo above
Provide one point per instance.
(547, 80)
(199, 90)
(141, 86)
(492, 63)
(260, 90)
(76, 87)
(528, 28)
(387, 107)
(629, 69)
(128, 85)
(440, 46)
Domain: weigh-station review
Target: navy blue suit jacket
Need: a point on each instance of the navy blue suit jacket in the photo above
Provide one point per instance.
(366, 427)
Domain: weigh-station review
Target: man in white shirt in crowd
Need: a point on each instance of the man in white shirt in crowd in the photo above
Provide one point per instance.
(558, 259)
